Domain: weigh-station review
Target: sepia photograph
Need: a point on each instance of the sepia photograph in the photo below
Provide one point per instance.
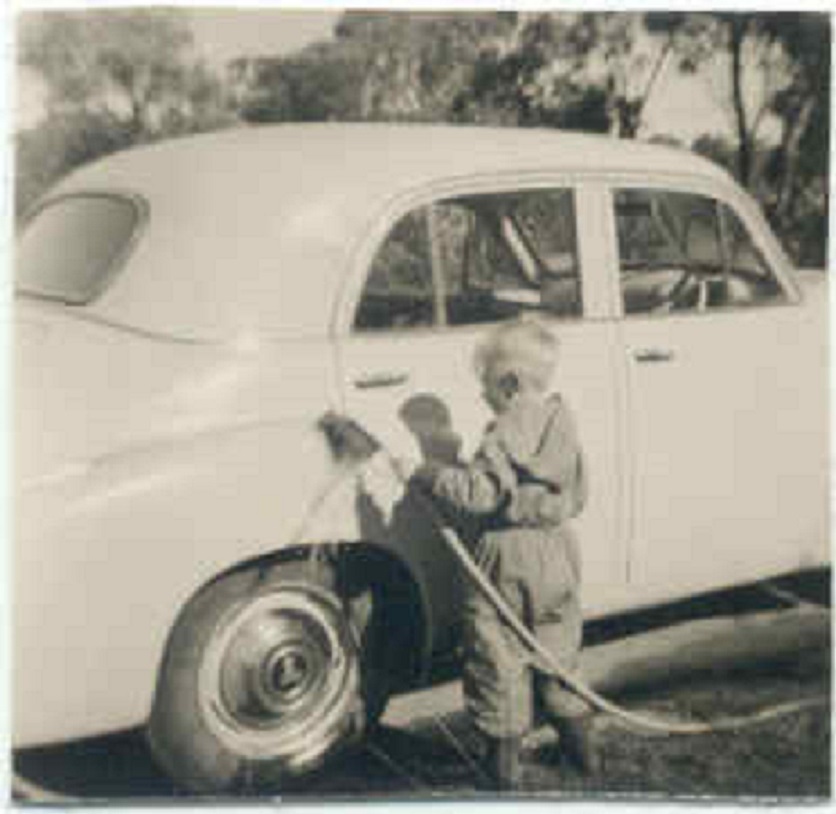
(419, 405)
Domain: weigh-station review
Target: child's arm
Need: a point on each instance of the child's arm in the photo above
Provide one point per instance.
(481, 487)
(537, 505)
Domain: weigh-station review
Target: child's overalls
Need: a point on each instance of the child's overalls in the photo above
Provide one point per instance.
(526, 481)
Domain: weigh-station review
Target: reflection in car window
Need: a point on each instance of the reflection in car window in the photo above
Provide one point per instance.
(399, 289)
(476, 259)
(70, 246)
(751, 280)
(481, 276)
(685, 252)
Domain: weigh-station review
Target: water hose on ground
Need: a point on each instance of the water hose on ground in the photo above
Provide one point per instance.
(26, 791)
(353, 442)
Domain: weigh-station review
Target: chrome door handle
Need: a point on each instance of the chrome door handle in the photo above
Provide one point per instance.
(384, 379)
(653, 355)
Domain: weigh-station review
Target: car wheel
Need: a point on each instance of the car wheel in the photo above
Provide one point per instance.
(260, 682)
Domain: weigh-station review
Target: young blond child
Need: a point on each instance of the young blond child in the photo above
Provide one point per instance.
(525, 483)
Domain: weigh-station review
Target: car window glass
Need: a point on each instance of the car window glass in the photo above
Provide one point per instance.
(684, 252)
(69, 248)
(752, 280)
(481, 277)
(504, 254)
(476, 259)
(399, 289)
(547, 220)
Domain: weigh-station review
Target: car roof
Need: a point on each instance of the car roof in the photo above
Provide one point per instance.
(246, 216)
(355, 154)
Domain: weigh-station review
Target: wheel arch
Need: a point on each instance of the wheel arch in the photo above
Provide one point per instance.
(403, 596)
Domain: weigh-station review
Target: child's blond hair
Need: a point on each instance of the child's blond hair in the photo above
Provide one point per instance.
(524, 347)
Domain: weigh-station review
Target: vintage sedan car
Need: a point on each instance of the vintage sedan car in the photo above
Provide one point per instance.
(189, 551)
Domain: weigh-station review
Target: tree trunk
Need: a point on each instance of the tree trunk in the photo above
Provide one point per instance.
(791, 148)
(738, 25)
(632, 121)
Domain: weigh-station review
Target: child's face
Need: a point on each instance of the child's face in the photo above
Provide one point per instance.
(497, 390)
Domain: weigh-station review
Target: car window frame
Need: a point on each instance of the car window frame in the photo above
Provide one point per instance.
(142, 210)
(391, 211)
(722, 195)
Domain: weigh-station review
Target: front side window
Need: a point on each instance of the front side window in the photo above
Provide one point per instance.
(686, 252)
(479, 259)
(751, 279)
(70, 248)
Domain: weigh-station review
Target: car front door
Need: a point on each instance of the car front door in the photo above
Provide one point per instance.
(721, 456)
(447, 270)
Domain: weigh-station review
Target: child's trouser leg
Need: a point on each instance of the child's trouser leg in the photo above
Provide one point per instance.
(497, 688)
(570, 714)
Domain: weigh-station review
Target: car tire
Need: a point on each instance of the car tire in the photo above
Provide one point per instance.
(261, 681)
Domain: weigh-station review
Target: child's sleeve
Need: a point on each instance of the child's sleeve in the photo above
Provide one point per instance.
(481, 487)
(556, 490)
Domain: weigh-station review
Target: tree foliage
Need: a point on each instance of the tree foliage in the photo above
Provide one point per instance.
(112, 79)
(788, 55)
(569, 70)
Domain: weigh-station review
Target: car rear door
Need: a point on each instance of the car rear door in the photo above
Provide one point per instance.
(723, 420)
(441, 274)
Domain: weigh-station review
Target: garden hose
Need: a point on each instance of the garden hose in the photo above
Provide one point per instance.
(351, 441)
(26, 791)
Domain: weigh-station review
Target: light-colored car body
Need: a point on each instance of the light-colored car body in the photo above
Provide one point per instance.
(167, 429)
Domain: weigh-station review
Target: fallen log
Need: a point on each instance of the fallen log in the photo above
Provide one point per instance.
(715, 644)
(647, 659)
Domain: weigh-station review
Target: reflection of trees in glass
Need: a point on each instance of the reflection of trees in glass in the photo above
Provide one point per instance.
(473, 255)
(454, 226)
(640, 239)
(547, 220)
(657, 228)
(742, 253)
(402, 264)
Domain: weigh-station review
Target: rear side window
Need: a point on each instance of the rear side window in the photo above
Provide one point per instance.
(71, 247)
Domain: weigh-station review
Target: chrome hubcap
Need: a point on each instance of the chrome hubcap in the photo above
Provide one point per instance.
(279, 673)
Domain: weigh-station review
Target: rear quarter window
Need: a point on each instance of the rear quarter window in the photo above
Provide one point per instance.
(71, 247)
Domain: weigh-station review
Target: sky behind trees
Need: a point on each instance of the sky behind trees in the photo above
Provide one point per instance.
(684, 106)
(220, 35)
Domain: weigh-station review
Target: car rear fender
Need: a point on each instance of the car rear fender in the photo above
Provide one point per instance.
(107, 558)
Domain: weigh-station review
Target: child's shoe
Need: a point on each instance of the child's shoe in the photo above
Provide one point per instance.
(578, 743)
(502, 764)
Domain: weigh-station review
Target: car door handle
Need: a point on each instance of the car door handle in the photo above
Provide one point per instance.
(383, 379)
(653, 355)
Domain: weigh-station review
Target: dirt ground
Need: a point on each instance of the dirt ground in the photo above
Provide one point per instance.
(784, 759)
(425, 749)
